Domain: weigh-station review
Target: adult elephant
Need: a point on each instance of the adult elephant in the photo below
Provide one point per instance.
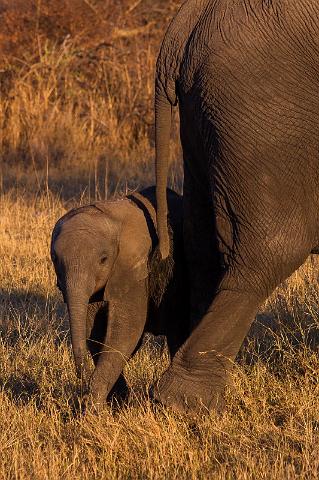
(245, 76)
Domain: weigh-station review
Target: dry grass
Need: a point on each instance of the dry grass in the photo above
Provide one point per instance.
(76, 115)
(77, 123)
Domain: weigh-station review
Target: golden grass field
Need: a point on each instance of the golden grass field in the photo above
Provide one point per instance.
(70, 136)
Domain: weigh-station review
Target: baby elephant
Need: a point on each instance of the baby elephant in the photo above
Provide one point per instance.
(115, 287)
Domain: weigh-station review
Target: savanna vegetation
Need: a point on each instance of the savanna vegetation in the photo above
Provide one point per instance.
(76, 86)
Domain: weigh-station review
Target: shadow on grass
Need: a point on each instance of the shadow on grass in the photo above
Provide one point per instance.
(21, 389)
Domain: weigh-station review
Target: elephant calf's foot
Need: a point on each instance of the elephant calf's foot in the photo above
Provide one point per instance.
(97, 399)
(186, 393)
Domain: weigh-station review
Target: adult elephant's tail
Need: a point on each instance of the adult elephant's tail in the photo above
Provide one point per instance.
(167, 72)
(163, 123)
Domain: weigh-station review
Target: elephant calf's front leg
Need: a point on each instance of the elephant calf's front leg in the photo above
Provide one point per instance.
(97, 319)
(125, 325)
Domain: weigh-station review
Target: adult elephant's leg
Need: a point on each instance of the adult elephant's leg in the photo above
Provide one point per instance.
(176, 314)
(178, 329)
(204, 262)
(201, 368)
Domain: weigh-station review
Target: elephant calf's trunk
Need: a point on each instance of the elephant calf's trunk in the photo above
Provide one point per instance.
(77, 316)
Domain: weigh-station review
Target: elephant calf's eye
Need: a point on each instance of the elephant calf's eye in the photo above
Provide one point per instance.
(103, 260)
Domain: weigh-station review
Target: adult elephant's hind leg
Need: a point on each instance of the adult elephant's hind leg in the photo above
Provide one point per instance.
(200, 370)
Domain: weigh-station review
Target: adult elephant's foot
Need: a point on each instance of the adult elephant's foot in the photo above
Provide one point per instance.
(191, 391)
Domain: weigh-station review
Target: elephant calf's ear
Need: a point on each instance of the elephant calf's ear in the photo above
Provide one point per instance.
(131, 264)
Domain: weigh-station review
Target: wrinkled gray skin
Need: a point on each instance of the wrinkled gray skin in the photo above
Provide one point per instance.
(245, 76)
(102, 254)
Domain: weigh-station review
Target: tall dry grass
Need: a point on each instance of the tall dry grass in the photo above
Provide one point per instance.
(54, 121)
(77, 124)
(78, 117)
